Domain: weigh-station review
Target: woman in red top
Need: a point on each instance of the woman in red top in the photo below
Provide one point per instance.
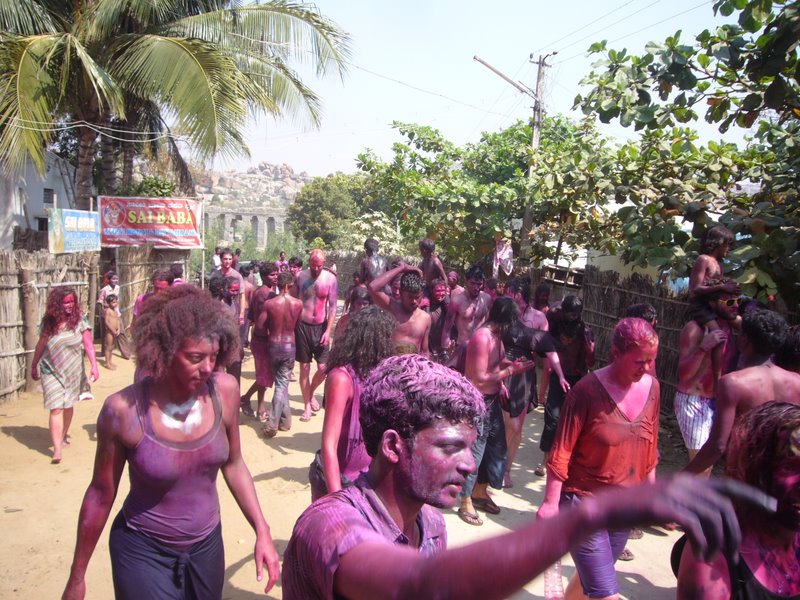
(607, 436)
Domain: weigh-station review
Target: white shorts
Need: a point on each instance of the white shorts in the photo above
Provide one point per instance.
(695, 416)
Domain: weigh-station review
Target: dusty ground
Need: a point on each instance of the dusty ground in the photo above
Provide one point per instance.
(40, 501)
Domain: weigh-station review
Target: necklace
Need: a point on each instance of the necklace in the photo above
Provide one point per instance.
(780, 568)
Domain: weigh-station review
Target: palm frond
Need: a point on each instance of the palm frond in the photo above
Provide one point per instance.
(202, 87)
(25, 17)
(294, 32)
(28, 98)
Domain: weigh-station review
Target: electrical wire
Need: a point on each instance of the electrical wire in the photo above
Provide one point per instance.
(645, 28)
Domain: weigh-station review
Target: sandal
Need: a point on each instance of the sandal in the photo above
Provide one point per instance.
(486, 505)
(469, 518)
(247, 409)
(263, 416)
(626, 555)
(636, 534)
(305, 418)
(539, 470)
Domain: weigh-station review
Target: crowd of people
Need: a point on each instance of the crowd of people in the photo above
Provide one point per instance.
(426, 385)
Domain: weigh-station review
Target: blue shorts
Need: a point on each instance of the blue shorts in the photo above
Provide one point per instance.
(594, 558)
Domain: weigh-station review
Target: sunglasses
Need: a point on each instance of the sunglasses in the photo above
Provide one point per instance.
(730, 301)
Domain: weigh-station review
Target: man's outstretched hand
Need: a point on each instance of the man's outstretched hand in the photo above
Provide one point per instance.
(703, 506)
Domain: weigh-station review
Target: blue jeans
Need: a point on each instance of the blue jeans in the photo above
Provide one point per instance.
(489, 449)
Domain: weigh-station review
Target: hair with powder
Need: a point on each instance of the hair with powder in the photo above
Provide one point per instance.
(409, 393)
(54, 314)
(633, 332)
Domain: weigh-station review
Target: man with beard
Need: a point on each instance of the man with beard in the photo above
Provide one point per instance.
(384, 538)
(695, 397)
(413, 323)
(318, 289)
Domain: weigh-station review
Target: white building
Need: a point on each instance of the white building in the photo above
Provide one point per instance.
(24, 200)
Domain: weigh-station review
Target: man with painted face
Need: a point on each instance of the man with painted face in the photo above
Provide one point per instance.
(413, 323)
(318, 289)
(758, 382)
(384, 538)
(228, 270)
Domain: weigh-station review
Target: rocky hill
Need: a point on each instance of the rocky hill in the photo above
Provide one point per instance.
(267, 185)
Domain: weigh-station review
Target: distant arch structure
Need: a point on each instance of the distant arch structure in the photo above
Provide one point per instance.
(264, 222)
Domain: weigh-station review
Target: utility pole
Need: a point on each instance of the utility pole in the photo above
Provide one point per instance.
(536, 130)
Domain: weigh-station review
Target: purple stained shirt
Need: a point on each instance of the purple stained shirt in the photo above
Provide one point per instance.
(337, 523)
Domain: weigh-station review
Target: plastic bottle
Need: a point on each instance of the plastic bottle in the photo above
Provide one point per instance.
(553, 586)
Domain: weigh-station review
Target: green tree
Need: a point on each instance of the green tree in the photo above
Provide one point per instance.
(734, 75)
(207, 64)
(323, 204)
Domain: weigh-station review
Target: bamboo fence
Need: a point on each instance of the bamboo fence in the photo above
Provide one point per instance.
(26, 279)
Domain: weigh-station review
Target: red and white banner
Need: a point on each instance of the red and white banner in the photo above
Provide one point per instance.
(165, 222)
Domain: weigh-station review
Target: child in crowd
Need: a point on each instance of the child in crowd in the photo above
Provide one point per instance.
(112, 325)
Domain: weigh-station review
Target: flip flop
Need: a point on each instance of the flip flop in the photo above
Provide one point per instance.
(626, 555)
(469, 518)
(539, 470)
(305, 419)
(486, 505)
(263, 416)
(247, 409)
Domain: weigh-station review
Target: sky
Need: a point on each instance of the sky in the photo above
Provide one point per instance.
(412, 61)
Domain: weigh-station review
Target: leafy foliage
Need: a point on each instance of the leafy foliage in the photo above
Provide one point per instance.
(323, 205)
(735, 75)
(149, 187)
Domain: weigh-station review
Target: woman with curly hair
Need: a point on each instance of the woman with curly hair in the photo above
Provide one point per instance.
(764, 451)
(177, 428)
(65, 334)
(365, 342)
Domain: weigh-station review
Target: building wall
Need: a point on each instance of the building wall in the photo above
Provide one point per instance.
(25, 195)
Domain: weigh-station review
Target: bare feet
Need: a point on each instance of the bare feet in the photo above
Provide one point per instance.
(507, 483)
(56, 457)
(314, 405)
(110, 366)
(305, 417)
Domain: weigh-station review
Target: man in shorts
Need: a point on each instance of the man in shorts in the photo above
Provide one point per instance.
(694, 398)
(318, 289)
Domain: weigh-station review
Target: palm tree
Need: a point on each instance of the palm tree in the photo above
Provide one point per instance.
(205, 65)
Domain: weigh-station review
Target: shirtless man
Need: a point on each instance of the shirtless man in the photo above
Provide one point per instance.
(695, 396)
(413, 323)
(280, 317)
(372, 265)
(486, 368)
(467, 310)
(318, 289)
(258, 342)
(452, 284)
(431, 266)
(758, 382)
(437, 309)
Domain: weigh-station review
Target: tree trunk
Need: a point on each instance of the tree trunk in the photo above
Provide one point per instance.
(83, 175)
(128, 152)
(107, 162)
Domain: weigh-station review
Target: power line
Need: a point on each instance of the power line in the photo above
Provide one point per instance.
(702, 4)
(617, 22)
(582, 27)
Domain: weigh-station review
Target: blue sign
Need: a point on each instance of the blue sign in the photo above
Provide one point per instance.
(73, 231)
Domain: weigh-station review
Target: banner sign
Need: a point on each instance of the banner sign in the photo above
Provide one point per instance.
(73, 231)
(164, 222)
